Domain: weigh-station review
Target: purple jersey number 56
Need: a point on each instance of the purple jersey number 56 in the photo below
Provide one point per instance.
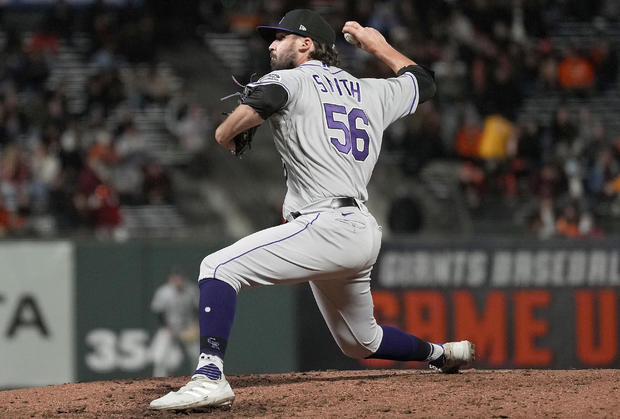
(351, 132)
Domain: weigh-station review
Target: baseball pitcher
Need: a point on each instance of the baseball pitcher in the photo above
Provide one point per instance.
(327, 126)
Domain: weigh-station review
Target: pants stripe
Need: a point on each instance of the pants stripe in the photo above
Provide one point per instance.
(264, 245)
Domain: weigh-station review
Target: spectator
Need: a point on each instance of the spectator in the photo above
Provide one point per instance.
(61, 20)
(450, 74)
(601, 175)
(70, 155)
(130, 146)
(62, 203)
(157, 187)
(192, 129)
(568, 223)
(127, 181)
(45, 169)
(548, 74)
(405, 216)
(103, 150)
(87, 182)
(575, 72)
(44, 42)
(563, 132)
(503, 79)
(422, 144)
(106, 57)
(543, 222)
(531, 149)
(191, 125)
(158, 89)
(472, 179)
(548, 181)
(14, 177)
(588, 227)
(105, 91)
(14, 121)
(496, 134)
(605, 60)
(105, 212)
(33, 72)
(102, 24)
(468, 137)
(137, 38)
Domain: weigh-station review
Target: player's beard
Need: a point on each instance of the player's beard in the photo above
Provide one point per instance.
(283, 62)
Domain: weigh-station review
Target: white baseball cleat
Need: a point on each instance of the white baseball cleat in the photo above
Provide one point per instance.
(456, 355)
(207, 388)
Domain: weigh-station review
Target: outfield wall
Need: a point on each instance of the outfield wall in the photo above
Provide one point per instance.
(535, 304)
(37, 309)
(80, 311)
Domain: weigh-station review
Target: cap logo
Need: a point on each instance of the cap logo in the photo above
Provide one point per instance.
(302, 28)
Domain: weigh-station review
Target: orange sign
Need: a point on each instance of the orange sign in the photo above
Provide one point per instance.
(525, 328)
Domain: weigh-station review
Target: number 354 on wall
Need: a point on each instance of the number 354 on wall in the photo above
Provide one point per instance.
(124, 350)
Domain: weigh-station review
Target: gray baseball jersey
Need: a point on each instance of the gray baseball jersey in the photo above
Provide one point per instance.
(330, 130)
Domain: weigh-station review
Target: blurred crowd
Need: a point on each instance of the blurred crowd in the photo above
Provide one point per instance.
(67, 169)
(556, 176)
(559, 174)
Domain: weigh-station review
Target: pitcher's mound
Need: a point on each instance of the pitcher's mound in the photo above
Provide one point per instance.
(352, 394)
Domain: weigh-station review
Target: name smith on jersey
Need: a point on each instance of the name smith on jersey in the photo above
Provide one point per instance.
(341, 86)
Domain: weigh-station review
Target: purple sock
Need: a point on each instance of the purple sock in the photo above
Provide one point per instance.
(400, 346)
(216, 315)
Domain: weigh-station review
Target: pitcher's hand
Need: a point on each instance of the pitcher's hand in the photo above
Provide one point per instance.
(369, 39)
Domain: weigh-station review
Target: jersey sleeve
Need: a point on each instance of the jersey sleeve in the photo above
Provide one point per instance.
(399, 97)
(425, 79)
(288, 80)
(266, 99)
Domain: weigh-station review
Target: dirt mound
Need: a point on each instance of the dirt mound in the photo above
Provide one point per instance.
(370, 393)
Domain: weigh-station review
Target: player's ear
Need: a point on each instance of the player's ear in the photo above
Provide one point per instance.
(306, 45)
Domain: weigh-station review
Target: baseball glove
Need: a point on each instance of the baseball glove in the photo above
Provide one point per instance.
(243, 140)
